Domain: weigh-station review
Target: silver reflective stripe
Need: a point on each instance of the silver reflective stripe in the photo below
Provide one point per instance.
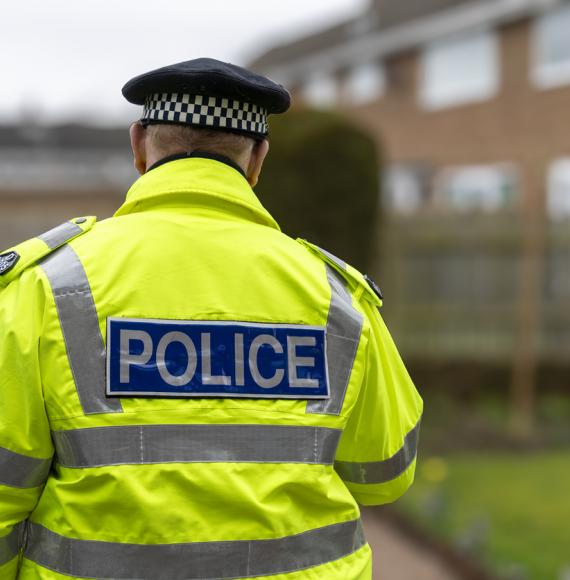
(381, 471)
(22, 471)
(196, 560)
(139, 444)
(58, 236)
(10, 545)
(340, 263)
(80, 328)
(344, 326)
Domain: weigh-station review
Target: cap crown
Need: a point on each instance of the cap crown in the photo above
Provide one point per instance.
(211, 78)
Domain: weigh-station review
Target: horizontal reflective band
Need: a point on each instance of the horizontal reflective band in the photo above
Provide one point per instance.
(10, 545)
(58, 236)
(344, 326)
(381, 471)
(22, 471)
(139, 444)
(80, 327)
(196, 560)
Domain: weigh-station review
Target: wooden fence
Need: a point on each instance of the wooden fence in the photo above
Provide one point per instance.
(452, 287)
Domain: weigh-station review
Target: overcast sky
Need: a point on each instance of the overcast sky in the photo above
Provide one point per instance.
(63, 59)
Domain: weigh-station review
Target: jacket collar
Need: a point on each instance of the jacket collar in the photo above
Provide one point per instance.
(202, 154)
(196, 177)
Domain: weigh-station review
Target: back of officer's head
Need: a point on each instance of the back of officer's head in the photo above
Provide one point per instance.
(208, 105)
(154, 142)
(171, 139)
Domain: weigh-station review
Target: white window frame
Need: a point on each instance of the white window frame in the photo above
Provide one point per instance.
(321, 90)
(555, 174)
(357, 95)
(406, 187)
(430, 101)
(491, 203)
(543, 75)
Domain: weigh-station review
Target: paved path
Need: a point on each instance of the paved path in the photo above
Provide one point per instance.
(396, 557)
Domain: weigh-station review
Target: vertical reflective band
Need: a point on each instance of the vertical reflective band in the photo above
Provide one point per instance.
(22, 471)
(344, 326)
(58, 236)
(80, 328)
(10, 545)
(142, 444)
(385, 470)
(195, 560)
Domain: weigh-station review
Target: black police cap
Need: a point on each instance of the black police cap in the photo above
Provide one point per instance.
(207, 76)
(209, 93)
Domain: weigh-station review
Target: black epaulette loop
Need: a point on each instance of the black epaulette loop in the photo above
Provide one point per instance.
(374, 286)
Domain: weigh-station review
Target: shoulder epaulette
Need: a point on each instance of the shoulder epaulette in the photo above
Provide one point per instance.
(17, 259)
(361, 284)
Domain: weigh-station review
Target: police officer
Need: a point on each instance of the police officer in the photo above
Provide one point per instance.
(186, 392)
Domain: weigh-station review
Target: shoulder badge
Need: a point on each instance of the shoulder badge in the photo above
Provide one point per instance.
(17, 259)
(368, 288)
(7, 261)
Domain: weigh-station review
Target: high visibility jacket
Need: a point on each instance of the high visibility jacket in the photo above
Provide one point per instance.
(166, 487)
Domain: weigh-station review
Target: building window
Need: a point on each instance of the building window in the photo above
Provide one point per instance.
(460, 70)
(552, 48)
(558, 190)
(486, 188)
(406, 188)
(365, 83)
(321, 91)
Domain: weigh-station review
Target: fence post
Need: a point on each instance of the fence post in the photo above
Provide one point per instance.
(528, 321)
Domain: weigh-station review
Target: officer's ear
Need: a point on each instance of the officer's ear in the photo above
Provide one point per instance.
(138, 144)
(258, 155)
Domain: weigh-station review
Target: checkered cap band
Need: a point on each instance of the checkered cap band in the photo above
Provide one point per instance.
(216, 112)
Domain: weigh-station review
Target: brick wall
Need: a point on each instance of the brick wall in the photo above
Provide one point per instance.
(522, 124)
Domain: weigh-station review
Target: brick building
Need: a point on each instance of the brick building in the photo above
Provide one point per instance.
(468, 97)
(469, 100)
(48, 175)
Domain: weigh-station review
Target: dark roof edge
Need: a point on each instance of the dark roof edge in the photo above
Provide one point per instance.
(477, 15)
(285, 50)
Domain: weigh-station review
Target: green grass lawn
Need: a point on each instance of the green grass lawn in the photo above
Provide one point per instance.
(511, 511)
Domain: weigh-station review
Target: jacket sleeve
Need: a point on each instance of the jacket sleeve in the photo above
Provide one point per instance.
(25, 444)
(376, 457)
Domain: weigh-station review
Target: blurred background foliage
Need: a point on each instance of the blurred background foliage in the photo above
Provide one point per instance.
(508, 510)
(321, 182)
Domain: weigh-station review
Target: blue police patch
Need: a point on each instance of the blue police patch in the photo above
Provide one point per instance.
(8, 261)
(170, 358)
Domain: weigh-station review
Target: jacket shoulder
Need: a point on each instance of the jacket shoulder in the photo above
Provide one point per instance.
(16, 260)
(361, 285)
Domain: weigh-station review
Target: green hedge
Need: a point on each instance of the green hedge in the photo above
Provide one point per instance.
(321, 182)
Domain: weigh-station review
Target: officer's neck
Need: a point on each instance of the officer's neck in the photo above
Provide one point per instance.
(198, 154)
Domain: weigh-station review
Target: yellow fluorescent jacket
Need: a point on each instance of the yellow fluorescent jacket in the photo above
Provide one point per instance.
(199, 488)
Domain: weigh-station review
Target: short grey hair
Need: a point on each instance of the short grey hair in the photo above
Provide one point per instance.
(168, 139)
